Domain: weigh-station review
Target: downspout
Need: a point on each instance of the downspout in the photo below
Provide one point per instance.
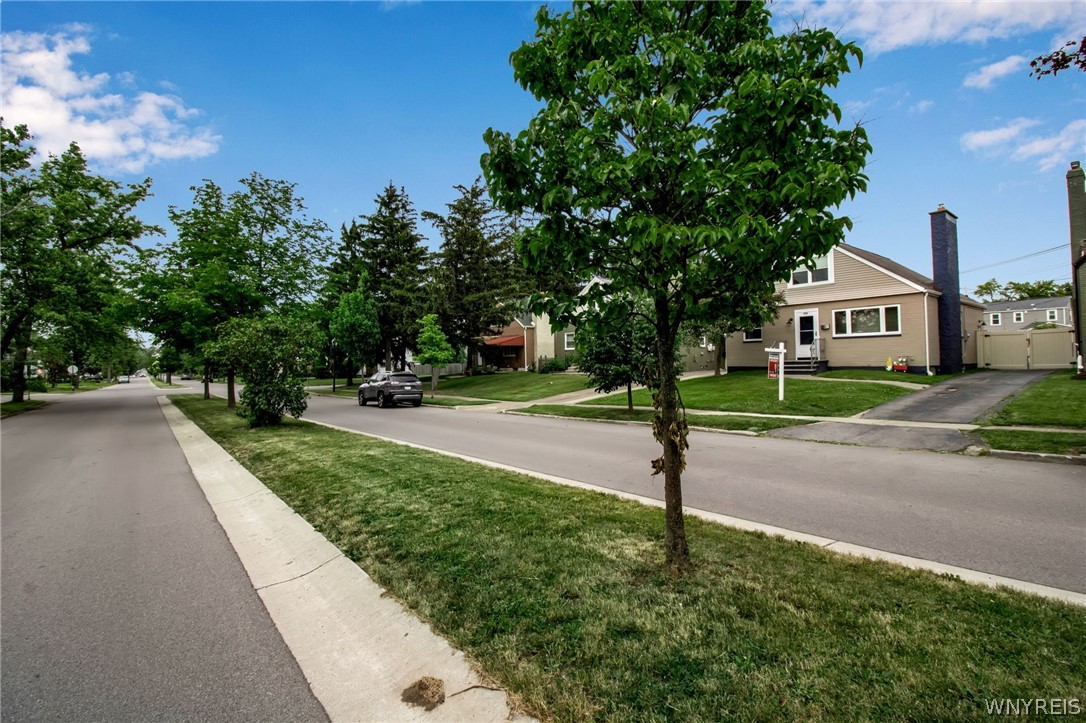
(927, 338)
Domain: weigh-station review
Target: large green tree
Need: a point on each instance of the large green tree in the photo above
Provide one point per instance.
(62, 229)
(477, 279)
(684, 152)
(241, 255)
(991, 290)
(396, 266)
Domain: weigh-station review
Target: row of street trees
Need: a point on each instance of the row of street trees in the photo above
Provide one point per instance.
(68, 242)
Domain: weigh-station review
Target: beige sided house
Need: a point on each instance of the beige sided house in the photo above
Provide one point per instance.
(526, 340)
(856, 309)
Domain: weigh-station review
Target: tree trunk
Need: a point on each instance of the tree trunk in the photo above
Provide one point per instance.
(629, 396)
(670, 430)
(433, 380)
(719, 357)
(207, 380)
(18, 373)
(350, 372)
(169, 378)
(231, 401)
(388, 356)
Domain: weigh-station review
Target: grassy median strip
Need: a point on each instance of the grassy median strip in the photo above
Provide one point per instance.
(559, 594)
(752, 392)
(712, 421)
(7, 409)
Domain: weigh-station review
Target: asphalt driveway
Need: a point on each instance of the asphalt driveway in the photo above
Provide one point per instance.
(959, 400)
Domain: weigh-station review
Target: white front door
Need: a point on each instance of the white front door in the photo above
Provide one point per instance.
(806, 323)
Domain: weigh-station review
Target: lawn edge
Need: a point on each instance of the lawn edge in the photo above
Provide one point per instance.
(629, 422)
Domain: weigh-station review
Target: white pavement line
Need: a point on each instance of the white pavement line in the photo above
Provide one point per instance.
(975, 576)
(358, 648)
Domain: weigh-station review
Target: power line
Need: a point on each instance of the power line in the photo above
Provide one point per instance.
(1008, 261)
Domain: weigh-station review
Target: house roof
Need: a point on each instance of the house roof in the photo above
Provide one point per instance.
(903, 271)
(514, 340)
(1054, 302)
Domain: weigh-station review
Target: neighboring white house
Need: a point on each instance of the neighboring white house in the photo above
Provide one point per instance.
(1019, 315)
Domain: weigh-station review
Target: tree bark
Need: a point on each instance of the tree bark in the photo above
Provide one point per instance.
(18, 373)
(231, 400)
(207, 380)
(670, 430)
(433, 380)
(719, 357)
(629, 396)
(350, 372)
(169, 378)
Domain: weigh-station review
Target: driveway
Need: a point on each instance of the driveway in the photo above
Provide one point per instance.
(953, 402)
(957, 401)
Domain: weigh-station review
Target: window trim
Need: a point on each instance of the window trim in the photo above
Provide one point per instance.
(882, 322)
(1018, 317)
(1052, 315)
(829, 269)
(568, 343)
(995, 318)
(753, 339)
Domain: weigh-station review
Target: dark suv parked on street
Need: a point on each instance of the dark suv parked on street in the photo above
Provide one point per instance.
(391, 388)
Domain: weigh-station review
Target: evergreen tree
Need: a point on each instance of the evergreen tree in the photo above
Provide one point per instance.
(395, 262)
(477, 277)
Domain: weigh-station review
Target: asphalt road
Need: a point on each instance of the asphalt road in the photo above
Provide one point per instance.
(1024, 520)
(123, 600)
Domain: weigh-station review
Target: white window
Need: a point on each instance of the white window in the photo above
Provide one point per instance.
(703, 343)
(867, 321)
(752, 334)
(1053, 314)
(1019, 317)
(996, 319)
(819, 273)
(509, 352)
(569, 341)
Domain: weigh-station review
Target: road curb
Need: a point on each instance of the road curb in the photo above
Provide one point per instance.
(1038, 457)
(631, 423)
(359, 649)
(838, 546)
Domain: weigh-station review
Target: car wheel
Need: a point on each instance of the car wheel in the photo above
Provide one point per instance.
(417, 404)
(381, 400)
(361, 398)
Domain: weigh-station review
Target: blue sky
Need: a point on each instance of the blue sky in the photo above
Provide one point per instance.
(341, 98)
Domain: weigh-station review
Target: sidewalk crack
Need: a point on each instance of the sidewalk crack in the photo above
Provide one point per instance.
(298, 577)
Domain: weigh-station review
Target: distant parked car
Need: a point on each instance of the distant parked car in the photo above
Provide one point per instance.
(185, 376)
(391, 388)
(122, 379)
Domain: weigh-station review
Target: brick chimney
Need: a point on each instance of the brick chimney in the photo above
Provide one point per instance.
(944, 266)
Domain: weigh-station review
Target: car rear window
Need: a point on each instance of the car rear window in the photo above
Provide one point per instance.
(403, 378)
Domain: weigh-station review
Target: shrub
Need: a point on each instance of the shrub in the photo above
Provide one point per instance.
(550, 366)
(34, 384)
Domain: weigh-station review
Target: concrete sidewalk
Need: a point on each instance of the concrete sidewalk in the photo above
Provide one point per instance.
(363, 654)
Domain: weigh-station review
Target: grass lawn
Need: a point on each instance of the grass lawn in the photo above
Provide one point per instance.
(440, 401)
(513, 386)
(750, 424)
(1056, 400)
(8, 409)
(753, 392)
(559, 595)
(1048, 442)
(881, 375)
(164, 385)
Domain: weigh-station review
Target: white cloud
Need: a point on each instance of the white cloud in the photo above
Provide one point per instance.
(1052, 151)
(989, 74)
(1012, 141)
(60, 103)
(884, 26)
(980, 140)
(921, 107)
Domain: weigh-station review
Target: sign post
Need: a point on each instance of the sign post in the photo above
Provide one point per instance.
(776, 368)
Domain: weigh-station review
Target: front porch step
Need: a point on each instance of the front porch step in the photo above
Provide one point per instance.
(805, 366)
